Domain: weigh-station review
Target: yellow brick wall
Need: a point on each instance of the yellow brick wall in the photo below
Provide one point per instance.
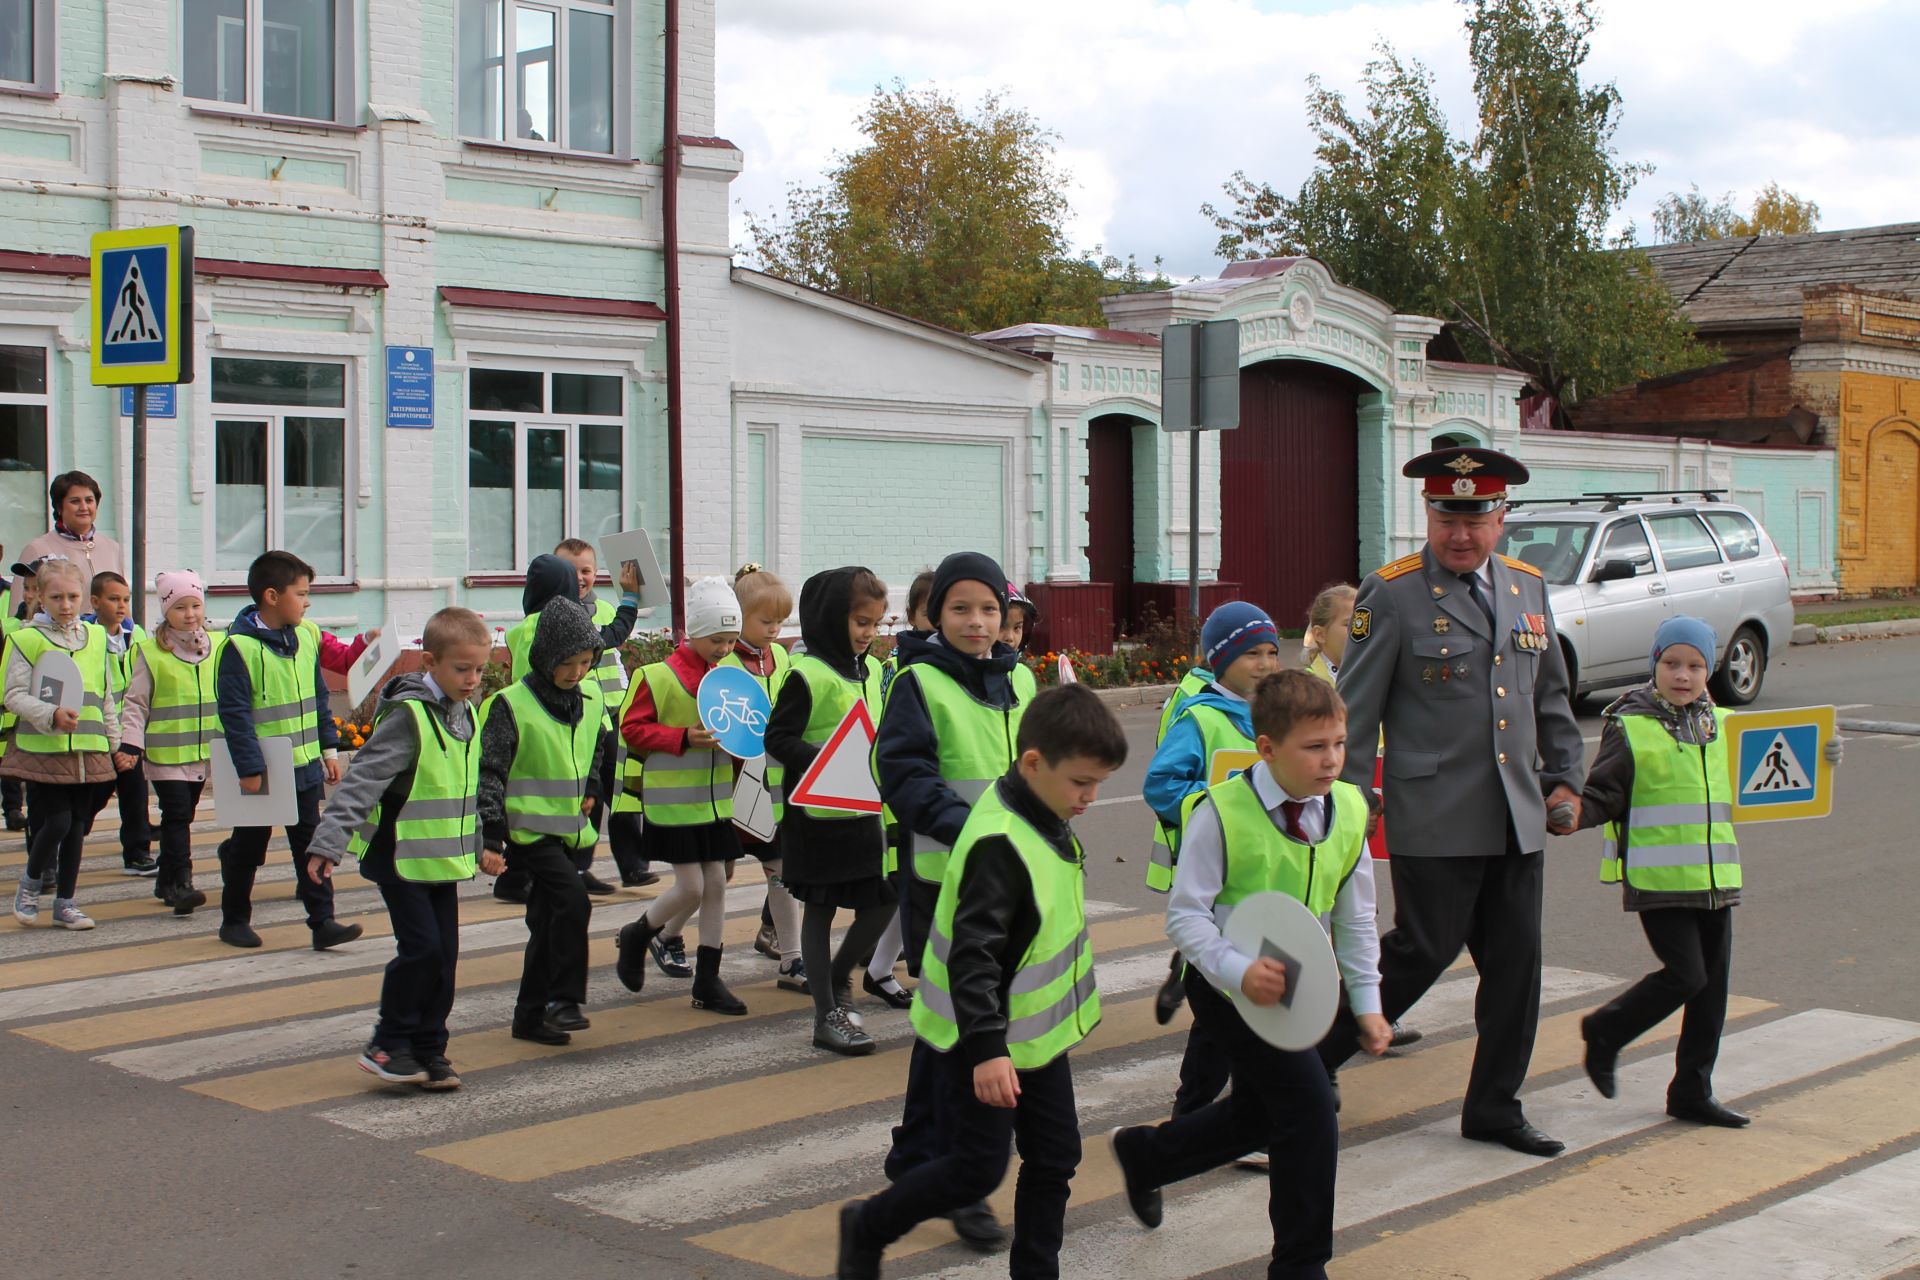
(1879, 455)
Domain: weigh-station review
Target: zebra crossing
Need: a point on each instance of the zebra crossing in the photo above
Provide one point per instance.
(725, 1146)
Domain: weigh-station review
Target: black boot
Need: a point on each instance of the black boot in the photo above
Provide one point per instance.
(163, 885)
(185, 897)
(630, 965)
(708, 991)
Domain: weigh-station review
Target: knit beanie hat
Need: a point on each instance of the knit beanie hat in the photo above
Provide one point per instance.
(179, 584)
(1695, 632)
(1231, 630)
(711, 607)
(965, 566)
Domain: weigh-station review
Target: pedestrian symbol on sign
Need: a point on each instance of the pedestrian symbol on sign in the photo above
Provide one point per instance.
(1776, 764)
(133, 317)
(1774, 768)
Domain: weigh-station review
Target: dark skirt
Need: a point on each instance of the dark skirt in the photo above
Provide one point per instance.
(830, 851)
(708, 842)
(848, 895)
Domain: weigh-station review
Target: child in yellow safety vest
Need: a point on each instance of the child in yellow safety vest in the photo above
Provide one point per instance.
(1007, 991)
(112, 613)
(61, 751)
(616, 623)
(1660, 784)
(686, 799)
(168, 723)
(880, 981)
(834, 859)
(765, 604)
(410, 813)
(18, 602)
(1286, 825)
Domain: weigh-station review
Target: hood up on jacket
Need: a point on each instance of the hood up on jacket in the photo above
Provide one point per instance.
(548, 577)
(564, 629)
(826, 601)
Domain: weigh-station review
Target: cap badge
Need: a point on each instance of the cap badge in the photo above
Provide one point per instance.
(1464, 465)
(1463, 488)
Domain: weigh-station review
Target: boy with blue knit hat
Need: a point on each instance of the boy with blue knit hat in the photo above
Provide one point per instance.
(1212, 734)
(1660, 783)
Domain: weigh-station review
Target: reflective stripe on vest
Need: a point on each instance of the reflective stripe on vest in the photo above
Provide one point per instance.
(436, 833)
(548, 778)
(1262, 858)
(183, 712)
(1218, 733)
(833, 695)
(1161, 856)
(286, 703)
(782, 663)
(94, 663)
(690, 789)
(1679, 838)
(628, 799)
(610, 672)
(975, 742)
(1053, 1001)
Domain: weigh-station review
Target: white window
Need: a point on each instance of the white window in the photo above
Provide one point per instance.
(24, 410)
(543, 75)
(289, 58)
(545, 453)
(280, 464)
(28, 45)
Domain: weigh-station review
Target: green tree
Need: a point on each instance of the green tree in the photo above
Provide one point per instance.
(952, 216)
(1679, 219)
(1502, 233)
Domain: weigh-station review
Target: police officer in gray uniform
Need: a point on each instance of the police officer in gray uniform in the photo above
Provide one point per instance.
(1452, 652)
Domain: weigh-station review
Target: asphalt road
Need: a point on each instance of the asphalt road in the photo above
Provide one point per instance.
(108, 1173)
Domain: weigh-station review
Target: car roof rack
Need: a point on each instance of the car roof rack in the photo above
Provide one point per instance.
(1614, 499)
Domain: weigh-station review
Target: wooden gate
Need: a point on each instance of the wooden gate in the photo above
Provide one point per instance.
(1110, 512)
(1289, 478)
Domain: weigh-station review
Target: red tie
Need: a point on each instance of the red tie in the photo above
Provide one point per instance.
(1291, 810)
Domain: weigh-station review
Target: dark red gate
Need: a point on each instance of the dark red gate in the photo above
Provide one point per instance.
(1289, 477)
(1110, 511)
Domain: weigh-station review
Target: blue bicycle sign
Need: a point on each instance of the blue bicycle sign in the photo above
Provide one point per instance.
(734, 708)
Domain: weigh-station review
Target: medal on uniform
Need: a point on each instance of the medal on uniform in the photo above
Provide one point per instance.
(1446, 672)
(1441, 626)
(1461, 671)
(1426, 675)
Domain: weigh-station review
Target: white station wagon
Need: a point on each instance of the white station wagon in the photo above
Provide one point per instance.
(1618, 565)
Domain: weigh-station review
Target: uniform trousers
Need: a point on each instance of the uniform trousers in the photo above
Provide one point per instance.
(1491, 906)
(925, 1129)
(416, 994)
(1280, 1101)
(1695, 949)
(555, 967)
(1203, 1071)
(1044, 1127)
(244, 852)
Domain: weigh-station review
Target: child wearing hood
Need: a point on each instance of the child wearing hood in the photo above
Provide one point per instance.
(834, 859)
(168, 723)
(409, 811)
(61, 753)
(1660, 784)
(540, 745)
(686, 798)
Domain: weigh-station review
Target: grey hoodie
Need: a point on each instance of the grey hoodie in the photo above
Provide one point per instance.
(385, 764)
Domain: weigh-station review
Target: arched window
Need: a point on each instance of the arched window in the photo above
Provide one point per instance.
(1454, 440)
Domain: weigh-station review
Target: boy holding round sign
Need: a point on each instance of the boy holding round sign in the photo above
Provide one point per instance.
(1287, 825)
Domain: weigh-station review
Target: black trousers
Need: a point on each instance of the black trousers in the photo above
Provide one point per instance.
(13, 795)
(136, 828)
(417, 993)
(60, 812)
(1046, 1130)
(245, 852)
(555, 967)
(178, 801)
(1695, 950)
(1203, 1071)
(926, 1126)
(1491, 906)
(1281, 1101)
(917, 899)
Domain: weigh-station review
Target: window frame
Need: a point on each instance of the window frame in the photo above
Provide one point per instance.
(43, 400)
(1712, 540)
(1641, 568)
(546, 419)
(275, 416)
(346, 104)
(620, 88)
(45, 77)
(1752, 534)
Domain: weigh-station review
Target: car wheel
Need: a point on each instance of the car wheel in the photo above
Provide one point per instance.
(1743, 668)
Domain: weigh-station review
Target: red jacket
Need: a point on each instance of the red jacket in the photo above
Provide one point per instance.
(641, 726)
(337, 655)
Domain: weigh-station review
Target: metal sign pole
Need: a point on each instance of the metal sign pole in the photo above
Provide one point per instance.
(138, 550)
(1199, 420)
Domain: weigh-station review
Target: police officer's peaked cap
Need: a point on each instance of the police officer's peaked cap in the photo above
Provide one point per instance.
(1466, 481)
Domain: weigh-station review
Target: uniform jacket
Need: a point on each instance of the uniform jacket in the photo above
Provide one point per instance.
(1466, 712)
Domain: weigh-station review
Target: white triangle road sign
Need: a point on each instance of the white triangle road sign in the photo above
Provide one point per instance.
(841, 776)
(1779, 770)
(134, 319)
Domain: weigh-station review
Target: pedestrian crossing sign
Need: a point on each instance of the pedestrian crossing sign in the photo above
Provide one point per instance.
(143, 306)
(1778, 763)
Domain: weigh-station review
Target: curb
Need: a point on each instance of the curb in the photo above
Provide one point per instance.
(1879, 726)
(1136, 695)
(1807, 633)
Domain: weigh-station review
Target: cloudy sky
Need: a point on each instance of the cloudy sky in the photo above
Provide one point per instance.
(1157, 102)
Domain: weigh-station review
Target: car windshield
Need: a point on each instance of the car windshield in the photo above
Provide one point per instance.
(1554, 547)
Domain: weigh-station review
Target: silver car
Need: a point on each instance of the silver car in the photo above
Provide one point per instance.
(1619, 565)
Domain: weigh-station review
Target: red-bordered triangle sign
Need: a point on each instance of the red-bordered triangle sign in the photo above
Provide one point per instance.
(841, 776)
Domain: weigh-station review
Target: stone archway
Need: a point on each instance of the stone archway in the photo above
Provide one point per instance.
(1893, 507)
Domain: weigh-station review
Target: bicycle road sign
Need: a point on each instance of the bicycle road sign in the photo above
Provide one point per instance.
(734, 708)
(1778, 769)
(142, 325)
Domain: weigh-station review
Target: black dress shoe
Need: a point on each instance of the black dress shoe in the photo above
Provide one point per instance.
(566, 1015)
(639, 880)
(1524, 1138)
(1708, 1110)
(1172, 993)
(1144, 1201)
(332, 933)
(978, 1228)
(594, 885)
(1601, 1060)
(1404, 1036)
(239, 935)
(896, 996)
(540, 1031)
(858, 1260)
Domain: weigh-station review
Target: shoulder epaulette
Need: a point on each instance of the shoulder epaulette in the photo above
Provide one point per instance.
(1522, 566)
(1399, 568)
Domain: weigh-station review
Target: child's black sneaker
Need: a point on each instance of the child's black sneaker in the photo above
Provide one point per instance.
(395, 1066)
(239, 935)
(139, 865)
(440, 1075)
(332, 933)
(639, 879)
(594, 885)
(566, 1015)
(670, 954)
(16, 820)
(793, 977)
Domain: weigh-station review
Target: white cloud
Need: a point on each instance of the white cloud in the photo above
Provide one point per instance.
(1157, 103)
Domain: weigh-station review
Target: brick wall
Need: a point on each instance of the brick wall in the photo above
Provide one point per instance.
(1755, 389)
(1879, 545)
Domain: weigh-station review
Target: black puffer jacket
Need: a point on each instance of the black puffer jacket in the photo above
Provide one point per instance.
(564, 629)
(906, 751)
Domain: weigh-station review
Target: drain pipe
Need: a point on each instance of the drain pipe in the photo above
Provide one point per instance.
(670, 238)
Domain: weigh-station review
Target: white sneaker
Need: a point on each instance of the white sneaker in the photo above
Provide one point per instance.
(68, 916)
(1253, 1160)
(26, 903)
